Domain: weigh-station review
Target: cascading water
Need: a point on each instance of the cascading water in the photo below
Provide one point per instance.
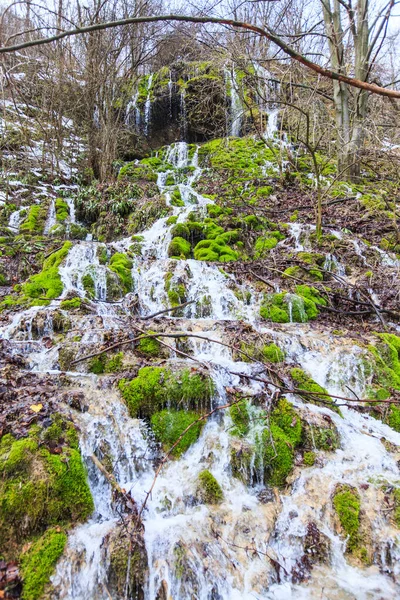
(147, 106)
(236, 108)
(248, 546)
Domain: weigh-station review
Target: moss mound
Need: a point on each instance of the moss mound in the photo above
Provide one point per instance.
(47, 284)
(122, 266)
(299, 307)
(346, 502)
(43, 487)
(169, 425)
(157, 387)
(209, 490)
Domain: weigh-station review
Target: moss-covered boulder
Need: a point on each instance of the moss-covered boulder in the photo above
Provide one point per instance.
(43, 491)
(155, 388)
(209, 490)
(172, 426)
(347, 504)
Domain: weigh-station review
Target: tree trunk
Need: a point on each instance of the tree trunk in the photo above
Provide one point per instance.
(334, 31)
(361, 42)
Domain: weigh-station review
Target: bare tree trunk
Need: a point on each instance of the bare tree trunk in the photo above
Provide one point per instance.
(361, 44)
(334, 30)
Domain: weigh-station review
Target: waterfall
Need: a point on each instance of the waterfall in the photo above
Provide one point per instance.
(147, 106)
(51, 217)
(236, 108)
(184, 122)
(251, 545)
(15, 219)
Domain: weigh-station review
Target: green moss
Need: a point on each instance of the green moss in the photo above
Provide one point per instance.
(47, 284)
(149, 346)
(34, 221)
(210, 491)
(180, 230)
(320, 438)
(169, 425)
(265, 244)
(102, 364)
(37, 564)
(214, 250)
(179, 248)
(309, 459)
(62, 210)
(272, 353)
(122, 266)
(156, 387)
(239, 414)
(347, 505)
(307, 384)
(72, 304)
(278, 455)
(71, 499)
(285, 307)
(88, 285)
(39, 489)
(279, 443)
(385, 366)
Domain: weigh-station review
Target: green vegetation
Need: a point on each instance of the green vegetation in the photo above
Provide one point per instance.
(149, 346)
(299, 307)
(47, 284)
(38, 563)
(272, 353)
(317, 394)
(103, 364)
(41, 491)
(179, 248)
(157, 387)
(71, 304)
(210, 492)
(280, 441)
(346, 502)
(62, 210)
(122, 266)
(239, 414)
(169, 425)
(35, 220)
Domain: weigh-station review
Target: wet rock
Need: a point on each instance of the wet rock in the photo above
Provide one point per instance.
(75, 400)
(266, 495)
(127, 565)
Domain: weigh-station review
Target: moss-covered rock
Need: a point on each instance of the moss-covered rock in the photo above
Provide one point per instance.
(43, 488)
(62, 210)
(314, 392)
(239, 413)
(179, 248)
(346, 502)
(38, 563)
(156, 387)
(209, 490)
(122, 266)
(47, 284)
(169, 425)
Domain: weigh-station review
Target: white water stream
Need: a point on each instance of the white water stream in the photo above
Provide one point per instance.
(228, 550)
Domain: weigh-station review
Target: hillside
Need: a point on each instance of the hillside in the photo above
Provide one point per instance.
(199, 390)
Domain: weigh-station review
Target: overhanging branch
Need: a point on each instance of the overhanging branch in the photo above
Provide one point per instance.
(270, 35)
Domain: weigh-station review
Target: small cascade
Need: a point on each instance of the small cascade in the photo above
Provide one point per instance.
(236, 108)
(183, 118)
(15, 219)
(106, 430)
(132, 112)
(83, 260)
(51, 217)
(267, 98)
(147, 106)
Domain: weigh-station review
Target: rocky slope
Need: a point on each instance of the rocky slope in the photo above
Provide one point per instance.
(231, 376)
